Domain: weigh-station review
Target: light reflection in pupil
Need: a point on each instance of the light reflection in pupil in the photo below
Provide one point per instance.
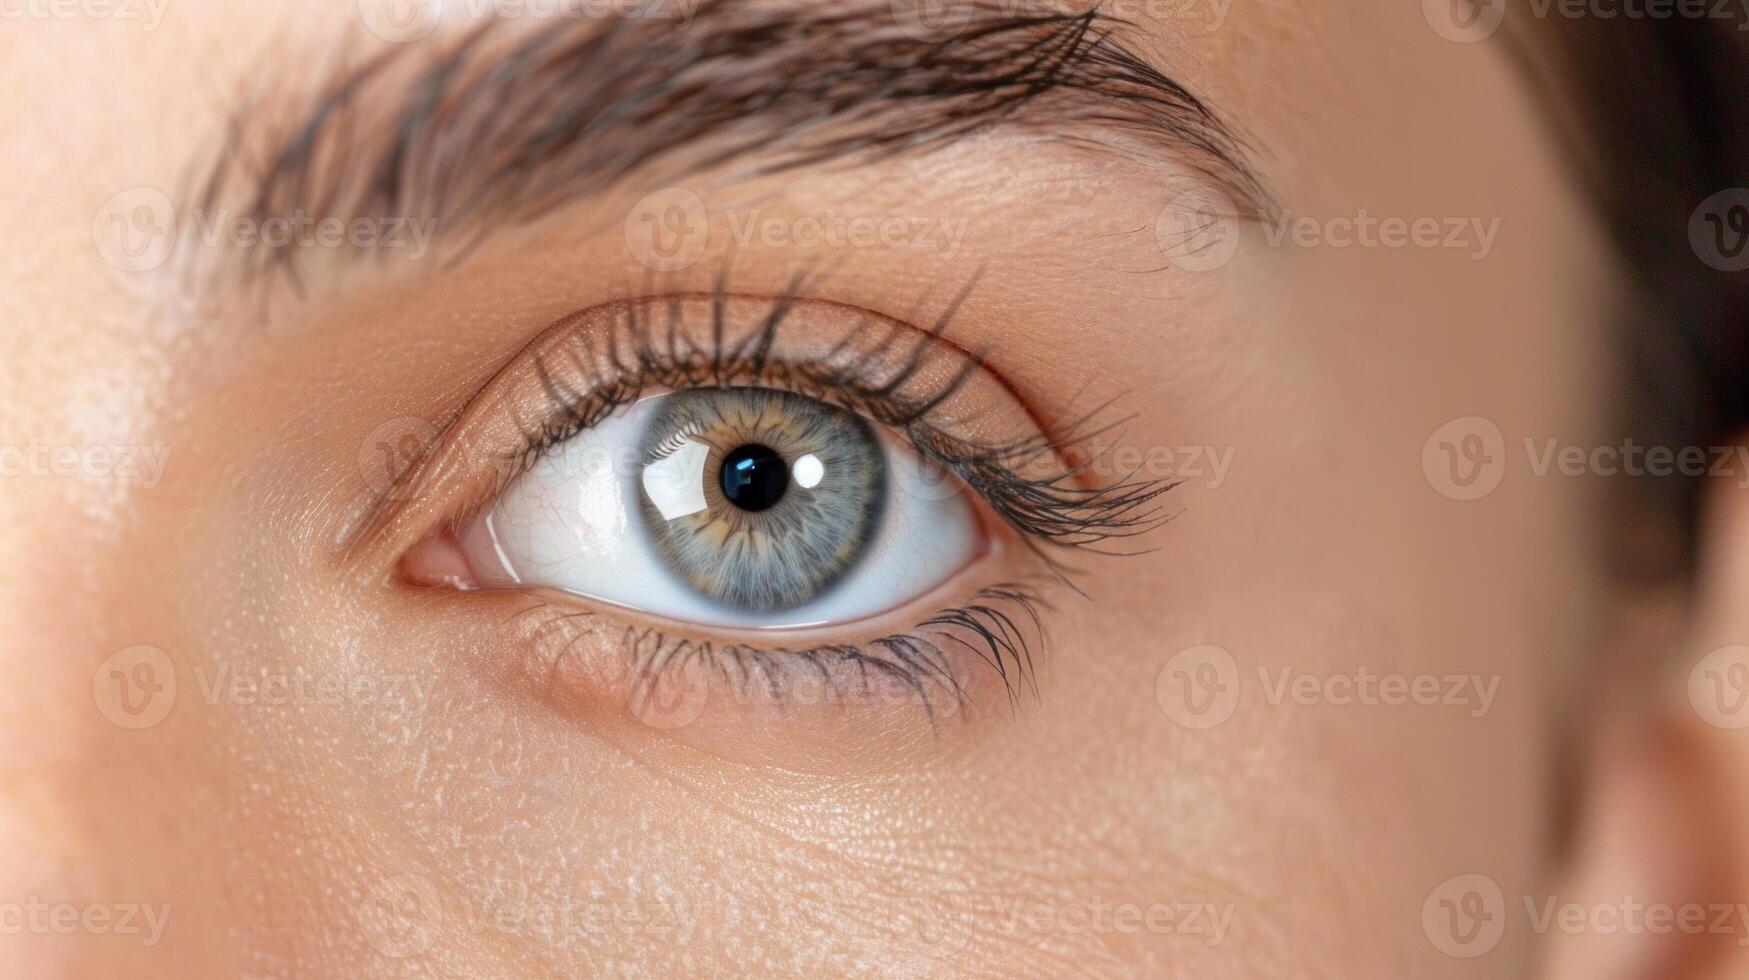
(754, 478)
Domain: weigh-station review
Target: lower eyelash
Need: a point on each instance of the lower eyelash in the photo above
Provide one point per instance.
(1001, 626)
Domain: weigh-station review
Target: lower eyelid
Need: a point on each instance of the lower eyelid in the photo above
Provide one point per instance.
(969, 657)
(973, 644)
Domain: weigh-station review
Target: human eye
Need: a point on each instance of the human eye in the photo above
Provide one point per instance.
(738, 506)
(766, 501)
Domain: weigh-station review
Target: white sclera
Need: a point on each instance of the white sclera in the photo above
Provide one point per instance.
(571, 522)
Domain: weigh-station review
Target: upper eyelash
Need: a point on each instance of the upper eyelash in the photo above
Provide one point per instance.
(1023, 480)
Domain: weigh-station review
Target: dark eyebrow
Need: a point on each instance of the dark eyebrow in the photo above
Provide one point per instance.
(501, 126)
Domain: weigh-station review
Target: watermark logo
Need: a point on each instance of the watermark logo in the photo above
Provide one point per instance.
(1211, 14)
(1653, 10)
(937, 909)
(668, 230)
(135, 688)
(1465, 916)
(401, 916)
(1634, 916)
(391, 450)
(1198, 231)
(919, 477)
(135, 231)
(1718, 688)
(1199, 687)
(1467, 21)
(1465, 459)
(932, 20)
(669, 700)
(1464, 21)
(400, 21)
(1718, 231)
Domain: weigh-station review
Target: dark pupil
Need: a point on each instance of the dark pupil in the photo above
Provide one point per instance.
(754, 477)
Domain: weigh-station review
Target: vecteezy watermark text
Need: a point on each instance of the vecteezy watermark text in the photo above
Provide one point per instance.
(143, 465)
(402, 916)
(300, 229)
(1201, 687)
(833, 230)
(1469, 21)
(150, 13)
(140, 229)
(1206, 921)
(403, 21)
(671, 229)
(298, 686)
(562, 920)
(1467, 458)
(1366, 230)
(1467, 915)
(36, 917)
(1368, 688)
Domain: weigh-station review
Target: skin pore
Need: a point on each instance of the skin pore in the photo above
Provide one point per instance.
(361, 775)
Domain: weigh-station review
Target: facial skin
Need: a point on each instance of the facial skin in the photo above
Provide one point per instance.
(430, 802)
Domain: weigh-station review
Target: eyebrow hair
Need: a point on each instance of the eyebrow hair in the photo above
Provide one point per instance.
(500, 127)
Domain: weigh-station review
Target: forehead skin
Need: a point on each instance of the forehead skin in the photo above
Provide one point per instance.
(1324, 369)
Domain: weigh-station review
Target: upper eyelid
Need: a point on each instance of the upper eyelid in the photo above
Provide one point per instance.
(474, 451)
